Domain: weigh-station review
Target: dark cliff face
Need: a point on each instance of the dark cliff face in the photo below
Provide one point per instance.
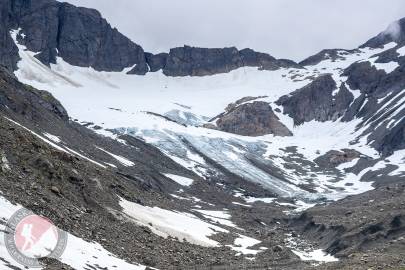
(374, 85)
(381, 97)
(373, 82)
(79, 35)
(192, 61)
(8, 50)
(199, 62)
(394, 33)
(83, 38)
(316, 101)
(363, 76)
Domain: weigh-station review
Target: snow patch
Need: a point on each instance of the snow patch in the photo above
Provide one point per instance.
(242, 245)
(387, 67)
(120, 159)
(401, 51)
(317, 255)
(220, 217)
(79, 253)
(53, 138)
(169, 223)
(181, 180)
(306, 253)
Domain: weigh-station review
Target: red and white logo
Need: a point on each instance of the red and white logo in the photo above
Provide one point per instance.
(30, 237)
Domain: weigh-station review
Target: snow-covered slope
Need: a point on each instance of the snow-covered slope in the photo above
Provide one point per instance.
(143, 106)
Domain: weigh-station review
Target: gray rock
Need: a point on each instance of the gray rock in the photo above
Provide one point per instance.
(316, 101)
(393, 140)
(334, 158)
(156, 62)
(386, 37)
(139, 69)
(14, 95)
(192, 61)
(252, 119)
(331, 54)
(363, 76)
(8, 50)
(83, 38)
(79, 35)
(55, 190)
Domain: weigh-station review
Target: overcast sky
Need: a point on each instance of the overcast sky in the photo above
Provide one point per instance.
(291, 29)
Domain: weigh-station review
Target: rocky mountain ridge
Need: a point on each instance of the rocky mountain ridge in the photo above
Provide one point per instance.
(83, 38)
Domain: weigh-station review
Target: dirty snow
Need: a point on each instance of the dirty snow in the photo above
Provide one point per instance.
(181, 180)
(170, 223)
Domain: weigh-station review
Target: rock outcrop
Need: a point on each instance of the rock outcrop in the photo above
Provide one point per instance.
(79, 35)
(317, 101)
(22, 99)
(393, 139)
(192, 61)
(328, 54)
(334, 158)
(394, 33)
(363, 76)
(251, 119)
(8, 50)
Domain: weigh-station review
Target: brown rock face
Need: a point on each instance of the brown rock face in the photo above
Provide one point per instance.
(252, 119)
(334, 158)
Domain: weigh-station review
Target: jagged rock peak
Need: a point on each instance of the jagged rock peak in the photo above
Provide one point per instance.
(316, 101)
(395, 32)
(331, 54)
(81, 36)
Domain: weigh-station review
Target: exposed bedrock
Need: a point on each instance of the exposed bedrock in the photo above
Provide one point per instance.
(251, 119)
(316, 101)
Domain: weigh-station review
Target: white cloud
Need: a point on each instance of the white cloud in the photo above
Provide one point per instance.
(291, 29)
(394, 29)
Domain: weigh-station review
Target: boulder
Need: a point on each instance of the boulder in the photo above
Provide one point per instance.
(334, 158)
